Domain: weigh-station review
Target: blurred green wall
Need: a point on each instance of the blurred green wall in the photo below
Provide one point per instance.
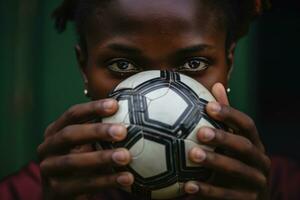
(39, 78)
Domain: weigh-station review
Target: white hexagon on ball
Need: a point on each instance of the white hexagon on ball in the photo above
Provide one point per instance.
(161, 109)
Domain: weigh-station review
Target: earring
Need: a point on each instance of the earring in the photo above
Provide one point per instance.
(86, 92)
(228, 90)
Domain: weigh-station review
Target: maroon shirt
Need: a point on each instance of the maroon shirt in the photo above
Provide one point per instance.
(26, 184)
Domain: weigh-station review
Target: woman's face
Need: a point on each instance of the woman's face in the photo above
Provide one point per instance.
(129, 36)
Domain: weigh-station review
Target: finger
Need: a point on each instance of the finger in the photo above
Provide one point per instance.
(227, 165)
(220, 94)
(82, 113)
(84, 162)
(241, 123)
(209, 191)
(89, 185)
(244, 149)
(74, 135)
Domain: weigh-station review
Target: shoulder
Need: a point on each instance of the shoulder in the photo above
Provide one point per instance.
(285, 179)
(25, 184)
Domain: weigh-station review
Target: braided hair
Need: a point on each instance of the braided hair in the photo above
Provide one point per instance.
(237, 15)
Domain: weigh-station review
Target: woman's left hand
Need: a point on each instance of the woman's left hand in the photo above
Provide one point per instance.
(242, 170)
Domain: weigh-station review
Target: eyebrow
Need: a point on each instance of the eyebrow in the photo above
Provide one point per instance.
(125, 49)
(193, 49)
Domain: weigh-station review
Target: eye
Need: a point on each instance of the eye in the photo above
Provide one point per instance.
(195, 64)
(122, 65)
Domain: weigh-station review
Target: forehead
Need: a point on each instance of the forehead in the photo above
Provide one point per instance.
(154, 18)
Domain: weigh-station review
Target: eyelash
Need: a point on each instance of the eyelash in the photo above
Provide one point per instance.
(200, 60)
(116, 61)
(115, 64)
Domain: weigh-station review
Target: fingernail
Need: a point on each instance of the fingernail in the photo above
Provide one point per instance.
(120, 157)
(192, 188)
(198, 154)
(214, 107)
(117, 132)
(125, 180)
(206, 134)
(108, 104)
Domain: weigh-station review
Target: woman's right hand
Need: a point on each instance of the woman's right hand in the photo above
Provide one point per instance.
(69, 165)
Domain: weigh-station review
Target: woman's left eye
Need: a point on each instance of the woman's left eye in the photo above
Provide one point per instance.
(122, 66)
(195, 64)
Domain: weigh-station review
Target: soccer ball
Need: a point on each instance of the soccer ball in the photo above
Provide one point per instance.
(162, 111)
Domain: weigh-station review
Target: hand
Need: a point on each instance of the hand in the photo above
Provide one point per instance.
(69, 165)
(242, 170)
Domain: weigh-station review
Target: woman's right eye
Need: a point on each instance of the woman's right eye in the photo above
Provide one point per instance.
(122, 66)
(195, 64)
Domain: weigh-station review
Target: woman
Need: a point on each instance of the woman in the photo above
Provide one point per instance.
(118, 38)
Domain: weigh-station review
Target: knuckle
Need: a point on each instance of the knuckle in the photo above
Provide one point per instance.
(249, 124)
(212, 157)
(96, 105)
(39, 150)
(263, 181)
(65, 135)
(48, 130)
(260, 180)
(236, 170)
(43, 167)
(225, 110)
(99, 129)
(64, 162)
(104, 181)
(247, 146)
(221, 135)
(109, 180)
(72, 112)
(99, 158)
(268, 163)
(104, 157)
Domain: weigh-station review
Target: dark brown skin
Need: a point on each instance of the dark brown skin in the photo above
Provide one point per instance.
(148, 35)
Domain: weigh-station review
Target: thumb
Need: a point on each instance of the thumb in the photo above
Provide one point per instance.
(219, 92)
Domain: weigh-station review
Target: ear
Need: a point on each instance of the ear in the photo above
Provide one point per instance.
(82, 62)
(230, 58)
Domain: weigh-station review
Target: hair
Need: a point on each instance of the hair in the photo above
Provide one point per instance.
(236, 15)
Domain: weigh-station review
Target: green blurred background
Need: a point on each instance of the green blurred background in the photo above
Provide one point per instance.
(39, 78)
